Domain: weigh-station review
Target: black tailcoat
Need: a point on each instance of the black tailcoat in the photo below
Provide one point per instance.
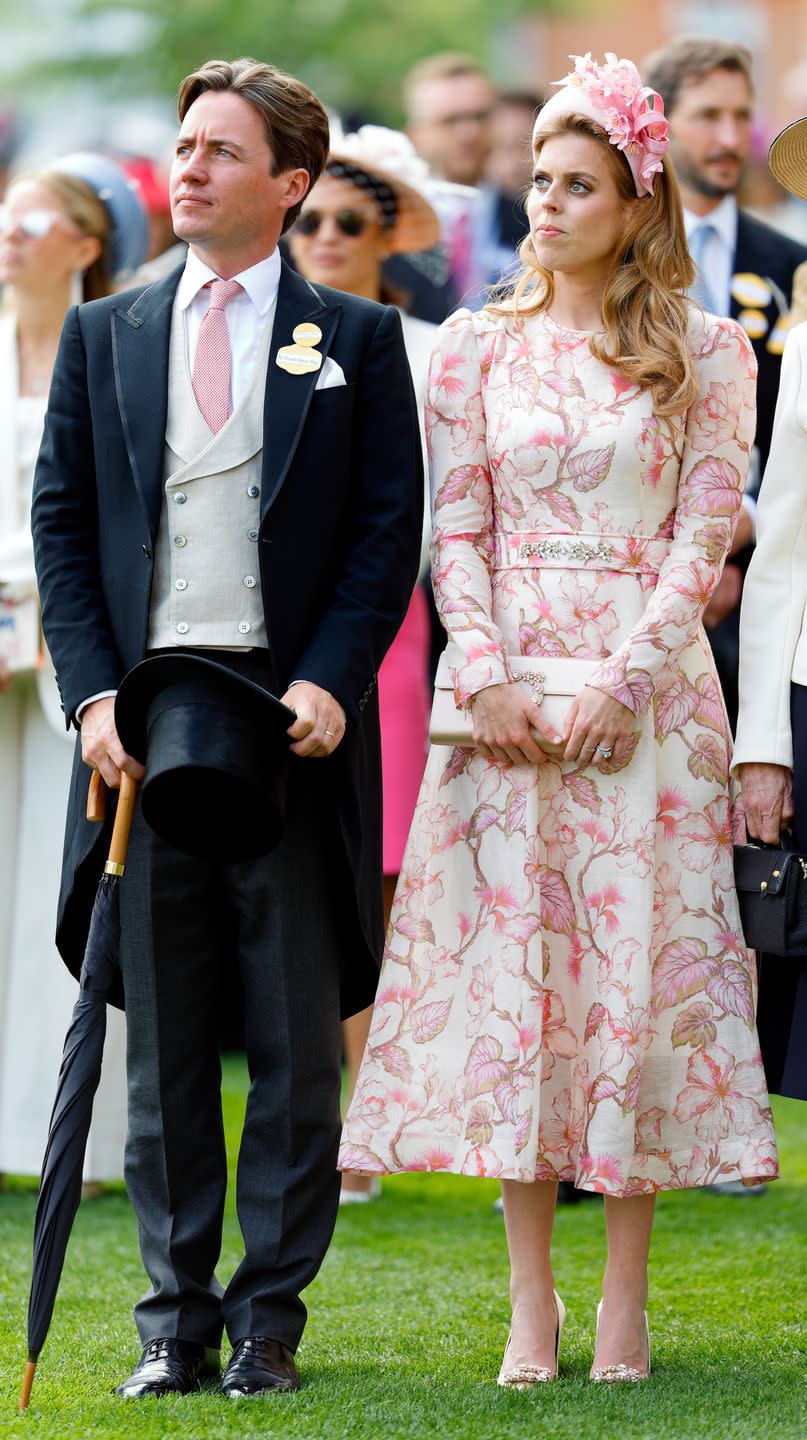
(764, 251)
(340, 527)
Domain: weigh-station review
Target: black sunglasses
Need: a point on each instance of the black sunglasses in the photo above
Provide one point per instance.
(350, 222)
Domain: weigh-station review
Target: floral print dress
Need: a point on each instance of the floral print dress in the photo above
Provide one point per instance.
(565, 991)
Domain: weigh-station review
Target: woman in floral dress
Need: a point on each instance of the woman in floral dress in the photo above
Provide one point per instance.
(566, 993)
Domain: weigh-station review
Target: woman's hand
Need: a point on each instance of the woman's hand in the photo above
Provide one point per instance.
(598, 723)
(504, 720)
(767, 799)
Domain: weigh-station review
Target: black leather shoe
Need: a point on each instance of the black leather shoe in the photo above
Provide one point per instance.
(258, 1365)
(170, 1367)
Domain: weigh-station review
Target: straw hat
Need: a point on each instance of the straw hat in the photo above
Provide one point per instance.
(787, 158)
(389, 156)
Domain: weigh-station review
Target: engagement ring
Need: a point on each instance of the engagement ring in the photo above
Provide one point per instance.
(605, 750)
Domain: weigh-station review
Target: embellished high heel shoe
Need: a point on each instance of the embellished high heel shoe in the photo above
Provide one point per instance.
(521, 1377)
(611, 1373)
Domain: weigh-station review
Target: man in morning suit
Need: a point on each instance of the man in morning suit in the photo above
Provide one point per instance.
(193, 493)
(745, 268)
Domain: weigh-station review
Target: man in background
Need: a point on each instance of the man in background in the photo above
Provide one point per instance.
(449, 103)
(509, 168)
(745, 268)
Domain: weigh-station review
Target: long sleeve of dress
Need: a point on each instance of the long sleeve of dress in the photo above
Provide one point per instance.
(714, 464)
(775, 593)
(462, 508)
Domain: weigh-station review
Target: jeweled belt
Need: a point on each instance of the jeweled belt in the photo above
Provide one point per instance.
(637, 554)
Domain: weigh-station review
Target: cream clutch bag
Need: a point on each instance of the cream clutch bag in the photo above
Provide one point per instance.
(550, 681)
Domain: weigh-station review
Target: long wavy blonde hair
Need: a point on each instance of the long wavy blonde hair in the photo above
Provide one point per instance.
(645, 309)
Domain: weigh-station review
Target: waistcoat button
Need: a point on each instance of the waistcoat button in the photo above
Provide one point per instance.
(183, 627)
(249, 581)
(180, 540)
(181, 584)
(244, 627)
(180, 497)
(253, 492)
(253, 534)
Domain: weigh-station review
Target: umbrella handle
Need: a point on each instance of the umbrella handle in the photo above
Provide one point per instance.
(27, 1384)
(96, 799)
(123, 823)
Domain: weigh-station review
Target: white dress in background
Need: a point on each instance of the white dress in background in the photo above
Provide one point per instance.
(37, 993)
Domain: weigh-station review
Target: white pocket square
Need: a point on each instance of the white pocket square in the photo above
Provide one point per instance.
(331, 374)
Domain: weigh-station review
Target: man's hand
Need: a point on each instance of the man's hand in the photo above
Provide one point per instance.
(767, 799)
(725, 597)
(100, 747)
(6, 677)
(320, 723)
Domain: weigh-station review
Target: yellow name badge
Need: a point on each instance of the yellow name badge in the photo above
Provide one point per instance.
(301, 357)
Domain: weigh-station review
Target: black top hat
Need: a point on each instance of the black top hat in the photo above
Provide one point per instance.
(214, 746)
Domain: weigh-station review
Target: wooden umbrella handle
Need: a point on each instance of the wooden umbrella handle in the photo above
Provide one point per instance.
(96, 810)
(123, 824)
(96, 800)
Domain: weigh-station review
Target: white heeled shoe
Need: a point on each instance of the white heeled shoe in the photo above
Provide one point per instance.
(611, 1373)
(521, 1377)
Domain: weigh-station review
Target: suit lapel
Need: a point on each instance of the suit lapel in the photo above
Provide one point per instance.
(140, 338)
(289, 396)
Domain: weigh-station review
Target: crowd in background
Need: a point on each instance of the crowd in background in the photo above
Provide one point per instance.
(468, 166)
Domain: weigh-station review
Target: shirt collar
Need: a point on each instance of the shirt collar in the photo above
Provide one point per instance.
(260, 281)
(723, 219)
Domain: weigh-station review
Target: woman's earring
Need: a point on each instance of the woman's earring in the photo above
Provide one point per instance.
(77, 287)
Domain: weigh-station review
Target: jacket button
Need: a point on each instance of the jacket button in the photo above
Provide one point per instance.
(244, 627)
(361, 703)
(253, 492)
(180, 497)
(180, 540)
(183, 627)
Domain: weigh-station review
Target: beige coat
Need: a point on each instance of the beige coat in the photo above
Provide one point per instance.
(773, 636)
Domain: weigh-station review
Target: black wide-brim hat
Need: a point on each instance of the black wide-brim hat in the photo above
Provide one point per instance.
(215, 747)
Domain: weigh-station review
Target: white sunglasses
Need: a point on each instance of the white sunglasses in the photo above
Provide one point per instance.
(36, 224)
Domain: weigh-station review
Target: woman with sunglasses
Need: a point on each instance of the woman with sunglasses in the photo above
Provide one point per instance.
(60, 243)
(371, 203)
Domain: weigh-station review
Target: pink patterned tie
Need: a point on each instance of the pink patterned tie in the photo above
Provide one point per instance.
(212, 363)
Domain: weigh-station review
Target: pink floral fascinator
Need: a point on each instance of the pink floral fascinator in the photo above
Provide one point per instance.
(613, 95)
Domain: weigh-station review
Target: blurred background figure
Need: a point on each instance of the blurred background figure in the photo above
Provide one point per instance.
(372, 202)
(150, 183)
(450, 104)
(509, 167)
(745, 268)
(65, 233)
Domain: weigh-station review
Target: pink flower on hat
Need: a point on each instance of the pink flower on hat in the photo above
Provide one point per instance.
(624, 109)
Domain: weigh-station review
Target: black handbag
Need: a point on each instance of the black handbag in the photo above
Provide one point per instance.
(772, 890)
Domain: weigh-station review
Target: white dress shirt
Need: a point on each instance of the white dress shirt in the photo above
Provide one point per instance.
(719, 250)
(247, 316)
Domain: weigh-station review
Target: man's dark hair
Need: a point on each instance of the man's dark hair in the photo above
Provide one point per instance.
(295, 119)
(690, 58)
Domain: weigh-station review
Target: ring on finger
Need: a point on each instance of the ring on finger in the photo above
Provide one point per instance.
(330, 734)
(605, 750)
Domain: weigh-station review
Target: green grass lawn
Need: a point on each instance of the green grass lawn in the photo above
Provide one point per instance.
(409, 1318)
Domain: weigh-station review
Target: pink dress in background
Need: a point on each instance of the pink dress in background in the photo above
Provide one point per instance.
(566, 992)
(404, 692)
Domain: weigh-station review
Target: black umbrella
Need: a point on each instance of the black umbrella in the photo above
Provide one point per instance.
(60, 1186)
